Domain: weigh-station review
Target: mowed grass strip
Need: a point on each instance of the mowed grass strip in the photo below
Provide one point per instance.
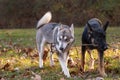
(26, 37)
(19, 58)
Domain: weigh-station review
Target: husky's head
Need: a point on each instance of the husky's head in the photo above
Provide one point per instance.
(65, 37)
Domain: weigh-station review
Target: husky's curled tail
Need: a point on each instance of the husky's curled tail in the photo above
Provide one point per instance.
(45, 19)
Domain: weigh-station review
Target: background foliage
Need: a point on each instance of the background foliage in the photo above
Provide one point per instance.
(25, 13)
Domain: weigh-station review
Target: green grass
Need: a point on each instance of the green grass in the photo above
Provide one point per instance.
(18, 57)
(23, 37)
(26, 37)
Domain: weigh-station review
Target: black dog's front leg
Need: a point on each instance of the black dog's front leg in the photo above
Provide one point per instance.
(101, 63)
(83, 58)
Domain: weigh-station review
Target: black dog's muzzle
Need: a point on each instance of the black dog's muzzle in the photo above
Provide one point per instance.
(103, 48)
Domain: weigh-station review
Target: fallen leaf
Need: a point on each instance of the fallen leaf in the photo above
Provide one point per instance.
(46, 51)
(99, 78)
(16, 69)
(71, 63)
(37, 77)
(2, 79)
(62, 78)
(6, 66)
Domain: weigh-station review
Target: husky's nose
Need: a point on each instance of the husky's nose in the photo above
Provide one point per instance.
(61, 48)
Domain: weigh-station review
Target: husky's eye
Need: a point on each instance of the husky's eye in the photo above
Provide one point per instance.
(65, 38)
(60, 38)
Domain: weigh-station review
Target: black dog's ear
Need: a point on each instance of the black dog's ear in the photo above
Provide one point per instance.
(106, 25)
(89, 26)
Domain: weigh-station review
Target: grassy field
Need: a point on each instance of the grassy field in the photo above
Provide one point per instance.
(19, 58)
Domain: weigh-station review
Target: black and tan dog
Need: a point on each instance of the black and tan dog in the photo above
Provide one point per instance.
(94, 37)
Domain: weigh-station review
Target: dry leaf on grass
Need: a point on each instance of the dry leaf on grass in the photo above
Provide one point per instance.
(37, 77)
(62, 78)
(6, 66)
(99, 78)
(2, 79)
(46, 51)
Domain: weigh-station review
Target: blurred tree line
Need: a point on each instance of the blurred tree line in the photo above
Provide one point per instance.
(26, 13)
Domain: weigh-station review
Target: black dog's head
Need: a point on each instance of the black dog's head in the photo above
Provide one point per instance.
(97, 34)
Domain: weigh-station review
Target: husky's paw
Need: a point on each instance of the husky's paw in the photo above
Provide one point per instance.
(41, 67)
(68, 76)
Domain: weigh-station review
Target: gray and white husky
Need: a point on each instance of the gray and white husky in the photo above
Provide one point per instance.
(59, 36)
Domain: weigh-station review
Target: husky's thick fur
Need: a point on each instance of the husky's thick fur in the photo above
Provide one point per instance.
(59, 36)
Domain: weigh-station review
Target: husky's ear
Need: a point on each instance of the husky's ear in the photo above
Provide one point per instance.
(106, 25)
(89, 26)
(60, 26)
(72, 29)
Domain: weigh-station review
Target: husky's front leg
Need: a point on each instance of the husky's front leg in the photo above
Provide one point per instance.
(63, 63)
